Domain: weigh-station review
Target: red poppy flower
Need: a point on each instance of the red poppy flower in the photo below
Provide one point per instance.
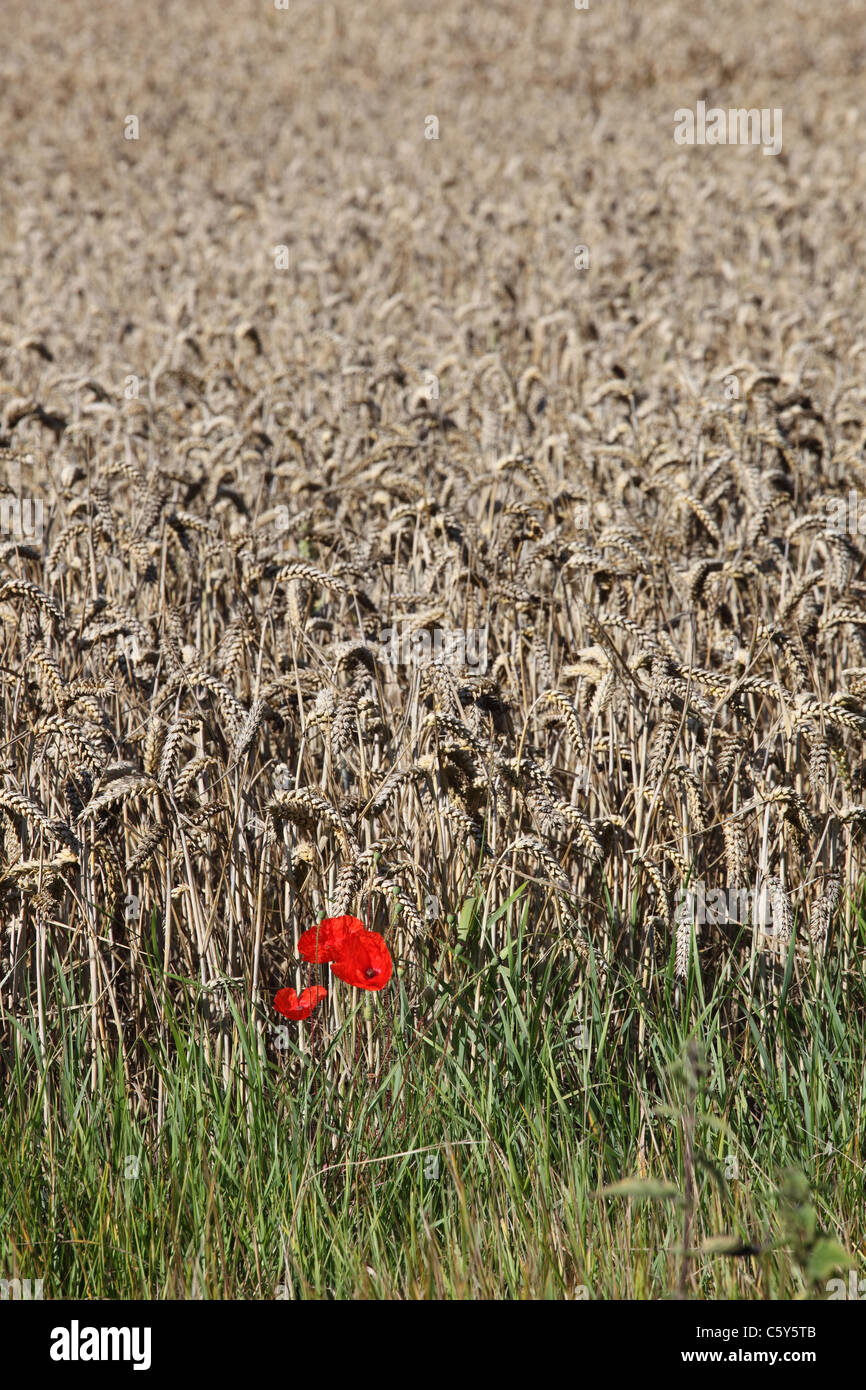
(364, 961)
(298, 1007)
(325, 941)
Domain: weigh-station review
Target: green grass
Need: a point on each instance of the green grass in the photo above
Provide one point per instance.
(304, 1174)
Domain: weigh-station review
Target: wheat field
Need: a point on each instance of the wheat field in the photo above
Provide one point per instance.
(421, 494)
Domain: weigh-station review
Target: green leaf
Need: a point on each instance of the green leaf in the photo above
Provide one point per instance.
(467, 918)
(825, 1256)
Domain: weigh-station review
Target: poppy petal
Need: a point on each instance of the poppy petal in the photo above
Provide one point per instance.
(287, 1002)
(312, 995)
(323, 942)
(364, 961)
